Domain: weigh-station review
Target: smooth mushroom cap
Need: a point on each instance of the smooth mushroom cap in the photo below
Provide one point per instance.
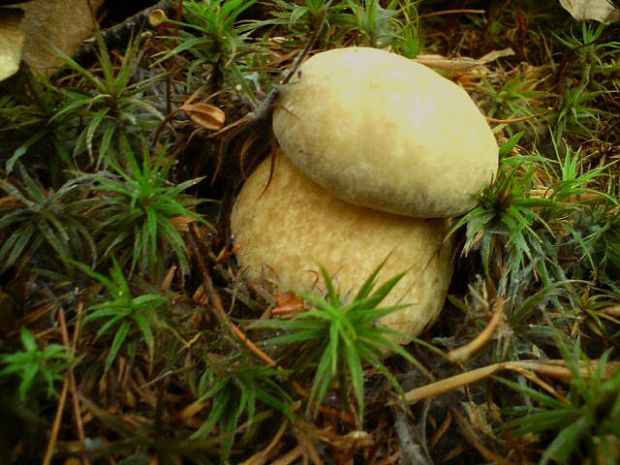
(379, 130)
(286, 230)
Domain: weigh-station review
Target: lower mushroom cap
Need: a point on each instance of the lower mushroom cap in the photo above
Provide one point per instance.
(286, 228)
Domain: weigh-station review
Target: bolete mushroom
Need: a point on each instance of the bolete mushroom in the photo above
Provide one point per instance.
(381, 131)
(289, 226)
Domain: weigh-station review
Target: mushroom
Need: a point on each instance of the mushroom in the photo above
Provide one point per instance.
(381, 131)
(287, 226)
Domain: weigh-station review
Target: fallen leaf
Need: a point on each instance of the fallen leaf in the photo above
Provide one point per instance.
(495, 54)
(11, 41)
(205, 115)
(181, 223)
(288, 304)
(51, 25)
(462, 63)
(603, 11)
(613, 310)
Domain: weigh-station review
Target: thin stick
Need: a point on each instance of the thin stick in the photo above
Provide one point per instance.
(555, 368)
(465, 11)
(260, 458)
(75, 401)
(474, 440)
(289, 457)
(516, 120)
(465, 352)
(51, 444)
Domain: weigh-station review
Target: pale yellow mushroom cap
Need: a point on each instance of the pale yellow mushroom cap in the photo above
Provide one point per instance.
(287, 230)
(379, 130)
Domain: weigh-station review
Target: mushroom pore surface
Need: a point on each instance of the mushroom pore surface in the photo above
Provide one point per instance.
(379, 130)
(284, 232)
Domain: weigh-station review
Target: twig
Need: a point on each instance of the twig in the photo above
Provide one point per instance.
(75, 401)
(261, 458)
(465, 352)
(471, 436)
(465, 11)
(548, 192)
(390, 459)
(51, 444)
(555, 368)
(289, 457)
(118, 33)
(516, 120)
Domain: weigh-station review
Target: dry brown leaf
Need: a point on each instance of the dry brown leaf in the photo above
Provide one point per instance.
(495, 54)
(181, 223)
(9, 202)
(613, 310)
(11, 41)
(55, 24)
(205, 115)
(462, 63)
(288, 304)
(354, 440)
(603, 11)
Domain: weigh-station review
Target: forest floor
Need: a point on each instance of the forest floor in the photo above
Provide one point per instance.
(129, 331)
